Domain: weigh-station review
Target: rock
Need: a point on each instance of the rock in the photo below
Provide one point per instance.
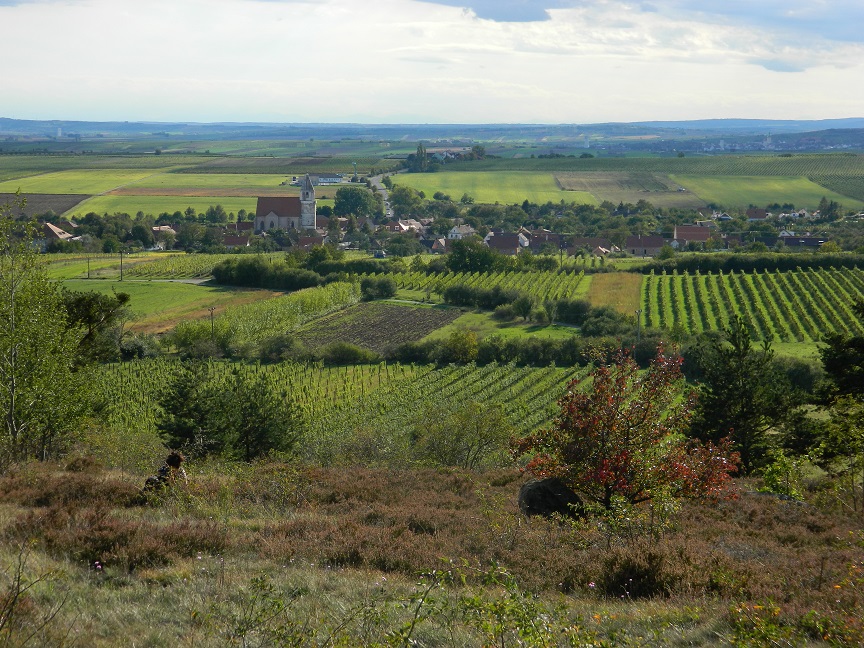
(548, 496)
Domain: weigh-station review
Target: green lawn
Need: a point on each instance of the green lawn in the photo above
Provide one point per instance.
(506, 187)
(761, 190)
(88, 181)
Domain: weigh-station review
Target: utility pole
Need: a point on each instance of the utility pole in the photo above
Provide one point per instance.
(638, 325)
(121, 264)
(212, 324)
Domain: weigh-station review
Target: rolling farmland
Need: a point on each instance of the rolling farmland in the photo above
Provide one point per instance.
(797, 306)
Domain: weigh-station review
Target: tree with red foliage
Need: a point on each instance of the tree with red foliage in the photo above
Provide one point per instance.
(623, 437)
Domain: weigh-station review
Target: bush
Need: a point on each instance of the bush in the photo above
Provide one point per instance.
(505, 313)
(377, 288)
(345, 353)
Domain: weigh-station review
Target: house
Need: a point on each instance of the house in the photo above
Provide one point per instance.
(755, 215)
(308, 242)
(395, 227)
(413, 224)
(595, 244)
(232, 241)
(685, 234)
(287, 212)
(54, 233)
(540, 240)
(509, 244)
(435, 245)
(644, 246)
(163, 229)
(241, 226)
(460, 231)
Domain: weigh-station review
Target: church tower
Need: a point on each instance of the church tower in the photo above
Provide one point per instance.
(307, 204)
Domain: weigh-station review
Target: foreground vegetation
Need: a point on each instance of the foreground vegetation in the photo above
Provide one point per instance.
(278, 554)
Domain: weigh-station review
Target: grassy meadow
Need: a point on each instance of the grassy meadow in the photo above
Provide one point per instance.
(157, 306)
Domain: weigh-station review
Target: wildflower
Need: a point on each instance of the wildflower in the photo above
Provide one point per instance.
(592, 585)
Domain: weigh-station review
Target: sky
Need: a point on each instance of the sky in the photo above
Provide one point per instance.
(431, 61)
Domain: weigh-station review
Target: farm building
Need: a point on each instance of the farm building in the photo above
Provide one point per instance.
(288, 212)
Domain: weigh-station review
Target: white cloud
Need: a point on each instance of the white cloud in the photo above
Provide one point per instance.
(406, 60)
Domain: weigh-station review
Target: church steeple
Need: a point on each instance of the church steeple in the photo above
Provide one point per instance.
(308, 214)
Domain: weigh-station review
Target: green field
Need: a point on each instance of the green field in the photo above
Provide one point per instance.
(484, 187)
(101, 266)
(88, 181)
(158, 204)
(630, 187)
(242, 181)
(761, 190)
(158, 305)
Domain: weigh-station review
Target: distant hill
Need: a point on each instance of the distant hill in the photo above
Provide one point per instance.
(749, 126)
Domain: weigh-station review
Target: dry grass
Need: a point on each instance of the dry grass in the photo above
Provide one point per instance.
(620, 290)
(336, 543)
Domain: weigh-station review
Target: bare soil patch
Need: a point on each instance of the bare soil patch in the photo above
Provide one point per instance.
(41, 203)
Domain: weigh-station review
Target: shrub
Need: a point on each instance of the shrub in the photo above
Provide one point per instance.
(377, 288)
(345, 353)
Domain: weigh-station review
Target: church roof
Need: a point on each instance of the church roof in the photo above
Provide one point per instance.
(283, 206)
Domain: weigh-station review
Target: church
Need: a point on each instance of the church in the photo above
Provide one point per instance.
(288, 212)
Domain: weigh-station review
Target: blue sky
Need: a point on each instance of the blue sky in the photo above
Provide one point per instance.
(447, 61)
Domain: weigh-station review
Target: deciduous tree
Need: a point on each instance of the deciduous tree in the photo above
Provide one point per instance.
(622, 438)
(39, 390)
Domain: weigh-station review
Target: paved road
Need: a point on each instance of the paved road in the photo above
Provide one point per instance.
(376, 182)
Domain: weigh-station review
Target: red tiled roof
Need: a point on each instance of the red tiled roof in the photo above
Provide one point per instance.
(692, 233)
(285, 206)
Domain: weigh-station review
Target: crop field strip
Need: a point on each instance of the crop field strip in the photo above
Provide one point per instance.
(542, 285)
(183, 266)
(253, 322)
(793, 306)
